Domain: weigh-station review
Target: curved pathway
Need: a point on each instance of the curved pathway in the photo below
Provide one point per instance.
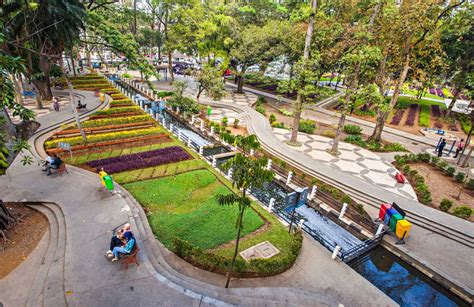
(74, 271)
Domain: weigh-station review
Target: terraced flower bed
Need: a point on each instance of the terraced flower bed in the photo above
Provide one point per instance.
(126, 114)
(103, 129)
(141, 160)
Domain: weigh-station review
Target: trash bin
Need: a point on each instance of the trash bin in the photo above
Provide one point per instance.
(383, 210)
(402, 227)
(393, 221)
(109, 183)
(388, 214)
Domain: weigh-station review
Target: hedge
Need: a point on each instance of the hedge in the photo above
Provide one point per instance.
(254, 268)
(77, 140)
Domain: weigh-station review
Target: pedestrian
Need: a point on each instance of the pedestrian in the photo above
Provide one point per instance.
(56, 104)
(441, 147)
(459, 148)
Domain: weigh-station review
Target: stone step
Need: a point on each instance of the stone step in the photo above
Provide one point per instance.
(36, 295)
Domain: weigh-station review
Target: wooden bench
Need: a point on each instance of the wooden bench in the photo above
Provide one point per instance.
(130, 258)
(62, 168)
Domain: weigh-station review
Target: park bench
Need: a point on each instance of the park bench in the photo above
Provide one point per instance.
(131, 258)
(61, 169)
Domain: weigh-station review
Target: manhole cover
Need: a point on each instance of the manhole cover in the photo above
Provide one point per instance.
(262, 250)
(414, 143)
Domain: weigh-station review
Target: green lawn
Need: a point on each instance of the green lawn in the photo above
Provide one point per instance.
(425, 114)
(404, 102)
(185, 206)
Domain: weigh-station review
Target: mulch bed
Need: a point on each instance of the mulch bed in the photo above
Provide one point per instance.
(23, 237)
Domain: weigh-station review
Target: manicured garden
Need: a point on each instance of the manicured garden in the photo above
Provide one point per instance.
(177, 189)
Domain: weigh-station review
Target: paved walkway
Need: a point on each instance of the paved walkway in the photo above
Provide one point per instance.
(68, 267)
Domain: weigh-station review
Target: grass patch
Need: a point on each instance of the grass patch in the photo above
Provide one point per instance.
(404, 102)
(185, 206)
(424, 119)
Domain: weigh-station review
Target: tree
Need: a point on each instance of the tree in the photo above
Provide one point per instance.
(247, 173)
(410, 25)
(209, 79)
(298, 104)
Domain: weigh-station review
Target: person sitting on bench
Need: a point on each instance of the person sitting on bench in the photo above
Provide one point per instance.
(55, 163)
(81, 106)
(120, 239)
(127, 249)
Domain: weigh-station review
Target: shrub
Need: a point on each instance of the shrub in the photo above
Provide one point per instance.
(425, 157)
(329, 134)
(114, 121)
(442, 164)
(406, 169)
(424, 119)
(435, 160)
(450, 171)
(360, 209)
(118, 110)
(278, 125)
(445, 205)
(272, 118)
(224, 121)
(260, 101)
(352, 129)
(470, 184)
(286, 112)
(394, 147)
(346, 199)
(417, 179)
(261, 110)
(463, 211)
(236, 123)
(374, 146)
(413, 173)
(307, 126)
(460, 177)
(356, 140)
(165, 94)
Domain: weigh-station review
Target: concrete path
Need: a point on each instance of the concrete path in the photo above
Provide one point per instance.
(352, 160)
(74, 271)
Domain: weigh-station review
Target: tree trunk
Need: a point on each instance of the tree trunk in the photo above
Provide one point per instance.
(170, 65)
(73, 66)
(380, 121)
(340, 126)
(262, 68)
(19, 90)
(236, 250)
(240, 83)
(466, 159)
(299, 98)
(71, 97)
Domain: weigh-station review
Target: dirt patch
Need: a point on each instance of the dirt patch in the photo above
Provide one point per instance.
(442, 186)
(23, 237)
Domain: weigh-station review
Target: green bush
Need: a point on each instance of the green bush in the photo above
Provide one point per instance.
(352, 129)
(470, 184)
(261, 110)
(460, 177)
(272, 118)
(374, 146)
(445, 205)
(278, 125)
(450, 171)
(463, 211)
(435, 160)
(118, 110)
(394, 147)
(417, 179)
(413, 172)
(424, 157)
(307, 126)
(356, 140)
(465, 121)
(114, 121)
(286, 112)
(236, 122)
(406, 169)
(260, 100)
(224, 121)
(329, 134)
(165, 94)
(442, 165)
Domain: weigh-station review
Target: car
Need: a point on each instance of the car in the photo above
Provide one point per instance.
(182, 68)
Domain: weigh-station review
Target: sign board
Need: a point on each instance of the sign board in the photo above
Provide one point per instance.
(296, 199)
(290, 201)
(65, 146)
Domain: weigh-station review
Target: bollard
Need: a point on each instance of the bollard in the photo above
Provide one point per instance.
(146, 108)
(313, 192)
(177, 110)
(201, 150)
(451, 149)
(343, 210)
(270, 206)
(180, 136)
(213, 161)
(300, 224)
(269, 164)
(157, 117)
(379, 230)
(171, 127)
(335, 252)
(164, 122)
(189, 142)
(212, 130)
(192, 119)
(288, 179)
(202, 125)
(229, 173)
(251, 152)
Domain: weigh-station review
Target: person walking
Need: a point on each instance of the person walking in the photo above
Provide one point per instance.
(441, 147)
(56, 104)
(459, 148)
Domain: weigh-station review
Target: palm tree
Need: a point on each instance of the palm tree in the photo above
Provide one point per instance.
(247, 172)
